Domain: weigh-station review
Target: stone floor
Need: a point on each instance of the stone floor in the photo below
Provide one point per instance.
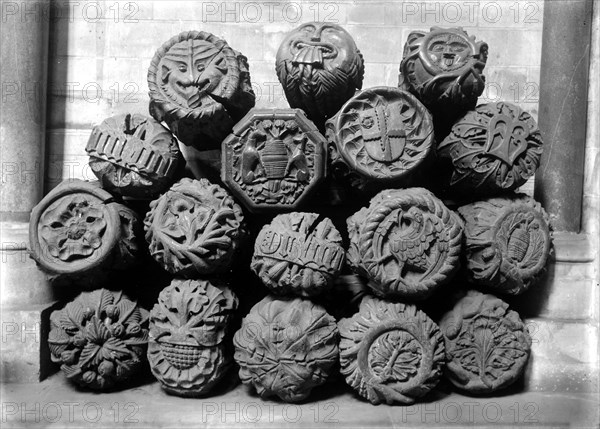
(55, 403)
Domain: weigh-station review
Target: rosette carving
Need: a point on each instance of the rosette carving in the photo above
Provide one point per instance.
(99, 339)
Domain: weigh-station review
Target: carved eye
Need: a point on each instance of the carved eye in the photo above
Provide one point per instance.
(437, 47)
(308, 29)
(457, 47)
(182, 68)
(200, 67)
(368, 122)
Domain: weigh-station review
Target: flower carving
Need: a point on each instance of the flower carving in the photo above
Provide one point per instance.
(73, 229)
(99, 338)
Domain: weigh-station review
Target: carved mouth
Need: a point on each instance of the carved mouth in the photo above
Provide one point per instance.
(308, 52)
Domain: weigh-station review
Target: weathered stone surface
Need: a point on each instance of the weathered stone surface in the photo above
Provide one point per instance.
(133, 155)
(381, 134)
(507, 242)
(406, 243)
(99, 339)
(320, 68)
(78, 233)
(195, 228)
(492, 149)
(199, 86)
(487, 345)
(389, 352)
(286, 347)
(444, 68)
(187, 328)
(298, 253)
(274, 159)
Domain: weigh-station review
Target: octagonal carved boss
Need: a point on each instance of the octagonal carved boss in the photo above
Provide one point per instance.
(273, 159)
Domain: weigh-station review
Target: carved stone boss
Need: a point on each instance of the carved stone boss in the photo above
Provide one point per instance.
(444, 68)
(406, 243)
(99, 339)
(133, 155)
(507, 242)
(390, 352)
(320, 68)
(78, 229)
(187, 351)
(492, 149)
(195, 228)
(298, 253)
(199, 86)
(487, 345)
(381, 134)
(273, 159)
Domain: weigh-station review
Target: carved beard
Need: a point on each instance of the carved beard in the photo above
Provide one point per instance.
(319, 91)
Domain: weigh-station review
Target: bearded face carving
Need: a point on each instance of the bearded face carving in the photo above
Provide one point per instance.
(199, 86)
(192, 71)
(444, 68)
(320, 68)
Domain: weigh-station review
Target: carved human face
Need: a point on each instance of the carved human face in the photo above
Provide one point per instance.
(449, 51)
(192, 69)
(320, 45)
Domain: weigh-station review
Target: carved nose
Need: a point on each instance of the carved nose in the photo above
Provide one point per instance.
(315, 38)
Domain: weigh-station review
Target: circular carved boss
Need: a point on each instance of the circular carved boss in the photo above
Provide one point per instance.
(199, 86)
(507, 242)
(390, 352)
(406, 243)
(494, 148)
(133, 155)
(78, 228)
(487, 345)
(320, 68)
(285, 347)
(444, 68)
(194, 228)
(187, 328)
(299, 253)
(99, 339)
(381, 134)
(273, 159)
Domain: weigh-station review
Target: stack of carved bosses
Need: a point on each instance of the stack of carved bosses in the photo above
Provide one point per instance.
(349, 290)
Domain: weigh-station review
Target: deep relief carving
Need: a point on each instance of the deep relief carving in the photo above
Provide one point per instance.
(194, 228)
(444, 68)
(199, 86)
(186, 351)
(494, 148)
(407, 243)
(99, 339)
(507, 242)
(286, 347)
(133, 155)
(320, 68)
(487, 345)
(273, 159)
(298, 253)
(390, 352)
(78, 229)
(380, 134)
